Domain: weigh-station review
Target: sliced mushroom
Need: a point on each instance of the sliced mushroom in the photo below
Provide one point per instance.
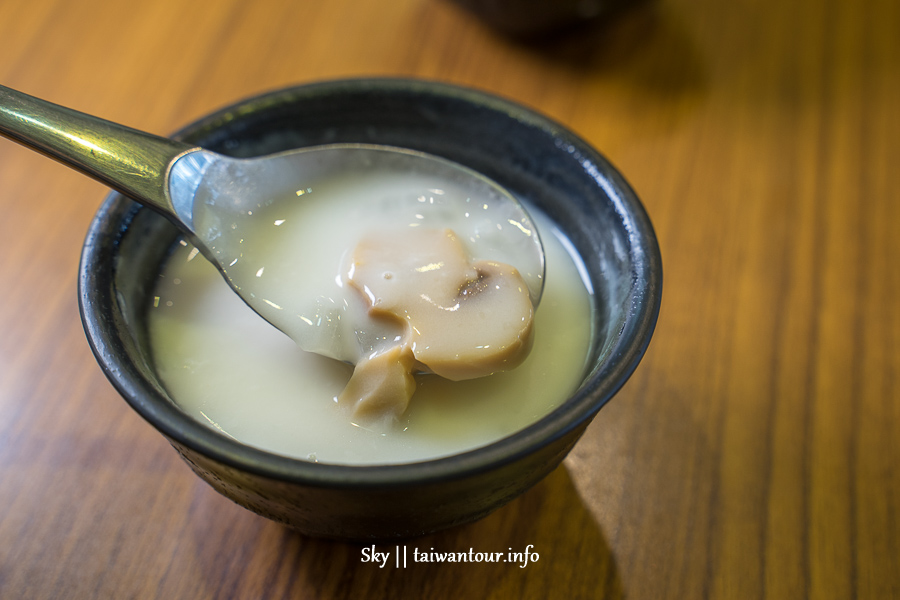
(381, 386)
(462, 320)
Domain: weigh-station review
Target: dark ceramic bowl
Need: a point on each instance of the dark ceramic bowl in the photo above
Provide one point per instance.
(531, 19)
(531, 156)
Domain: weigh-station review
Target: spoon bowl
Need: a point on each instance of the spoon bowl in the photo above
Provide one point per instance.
(248, 228)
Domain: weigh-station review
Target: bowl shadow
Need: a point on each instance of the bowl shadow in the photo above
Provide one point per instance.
(568, 556)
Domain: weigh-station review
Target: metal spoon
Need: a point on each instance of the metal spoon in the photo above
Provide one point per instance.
(199, 191)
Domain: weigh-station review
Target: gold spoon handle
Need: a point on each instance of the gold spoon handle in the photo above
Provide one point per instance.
(127, 160)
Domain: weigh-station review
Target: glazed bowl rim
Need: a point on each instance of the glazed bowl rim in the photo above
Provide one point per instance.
(597, 388)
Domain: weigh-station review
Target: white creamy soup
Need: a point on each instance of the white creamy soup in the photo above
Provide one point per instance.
(235, 372)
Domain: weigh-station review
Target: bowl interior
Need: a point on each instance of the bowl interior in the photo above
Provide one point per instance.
(534, 158)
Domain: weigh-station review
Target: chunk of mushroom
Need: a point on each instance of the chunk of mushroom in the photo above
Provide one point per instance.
(460, 319)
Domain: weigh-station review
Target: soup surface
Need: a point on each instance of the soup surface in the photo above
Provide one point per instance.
(236, 373)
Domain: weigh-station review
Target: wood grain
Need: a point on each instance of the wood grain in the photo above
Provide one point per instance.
(752, 455)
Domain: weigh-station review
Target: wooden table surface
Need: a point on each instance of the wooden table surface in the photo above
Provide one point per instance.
(754, 452)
